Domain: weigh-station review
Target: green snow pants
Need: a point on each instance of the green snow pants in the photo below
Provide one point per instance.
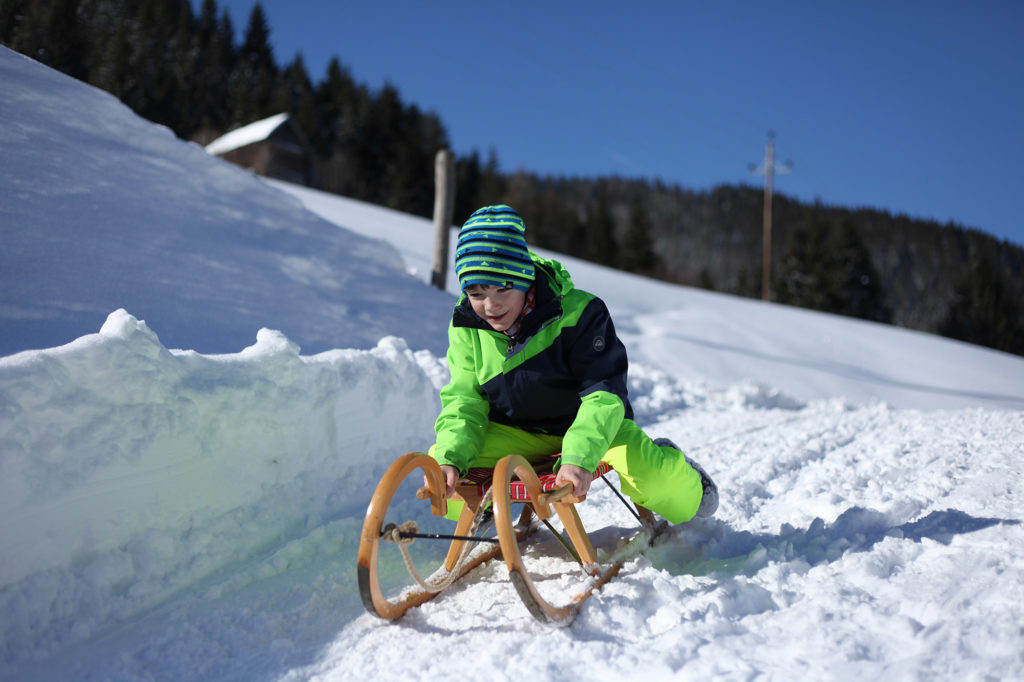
(658, 478)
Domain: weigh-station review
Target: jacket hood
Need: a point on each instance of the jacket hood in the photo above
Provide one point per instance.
(557, 276)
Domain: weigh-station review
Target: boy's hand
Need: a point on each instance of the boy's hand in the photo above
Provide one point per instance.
(578, 476)
(451, 478)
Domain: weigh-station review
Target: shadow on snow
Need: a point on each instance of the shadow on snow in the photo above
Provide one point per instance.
(704, 547)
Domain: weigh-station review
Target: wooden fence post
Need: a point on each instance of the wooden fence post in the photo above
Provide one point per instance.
(444, 208)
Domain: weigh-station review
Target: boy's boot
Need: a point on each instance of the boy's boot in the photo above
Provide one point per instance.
(709, 500)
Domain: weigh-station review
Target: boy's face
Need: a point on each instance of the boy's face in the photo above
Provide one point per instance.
(498, 306)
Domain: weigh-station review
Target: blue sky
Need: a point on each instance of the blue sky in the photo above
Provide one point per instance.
(911, 107)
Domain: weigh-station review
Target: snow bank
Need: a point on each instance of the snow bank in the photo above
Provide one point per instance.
(128, 470)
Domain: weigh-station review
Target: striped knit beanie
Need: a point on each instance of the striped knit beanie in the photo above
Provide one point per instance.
(492, 250)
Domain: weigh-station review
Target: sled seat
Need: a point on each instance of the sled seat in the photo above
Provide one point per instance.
(477, 481)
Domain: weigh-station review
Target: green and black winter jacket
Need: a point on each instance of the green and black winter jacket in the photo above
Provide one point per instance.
(564, 373)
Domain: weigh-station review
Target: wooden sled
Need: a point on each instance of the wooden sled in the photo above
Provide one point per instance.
(514, 480)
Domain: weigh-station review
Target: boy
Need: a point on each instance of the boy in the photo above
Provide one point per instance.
(537, 370)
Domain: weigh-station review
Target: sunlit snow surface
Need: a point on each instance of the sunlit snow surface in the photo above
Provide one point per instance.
(171, 514)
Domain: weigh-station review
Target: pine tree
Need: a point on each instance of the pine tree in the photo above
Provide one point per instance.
(66, 49)
(830, 270)
(802, 278)
(214, 62)
(294, 94)
(47, 32)
(983, 311)
(252, 81)
(857, 286)
(427, 138)
(704, 280)
(492, 182)
(638, 251)
(467, 185)
(12, 14)
(113, 62)
(599, 245)
(24, 21)
(342, 107)
(180, 62)
(376, 146)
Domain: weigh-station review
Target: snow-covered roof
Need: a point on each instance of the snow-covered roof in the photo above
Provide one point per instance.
(248, 134)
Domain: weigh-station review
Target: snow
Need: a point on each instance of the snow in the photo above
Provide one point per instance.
(246, 135)
(170, 514)
(104, 210)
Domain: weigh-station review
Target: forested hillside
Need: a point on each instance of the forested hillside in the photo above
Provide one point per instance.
(185, 71)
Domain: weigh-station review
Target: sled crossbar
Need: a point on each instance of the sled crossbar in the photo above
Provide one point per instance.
(440, 536)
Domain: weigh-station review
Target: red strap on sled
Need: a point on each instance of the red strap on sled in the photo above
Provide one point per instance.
(517, 489)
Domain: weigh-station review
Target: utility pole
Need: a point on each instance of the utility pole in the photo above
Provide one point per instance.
(769, 169)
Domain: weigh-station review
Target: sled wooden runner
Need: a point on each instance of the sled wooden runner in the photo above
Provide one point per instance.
(563, 503)
(513, 480)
